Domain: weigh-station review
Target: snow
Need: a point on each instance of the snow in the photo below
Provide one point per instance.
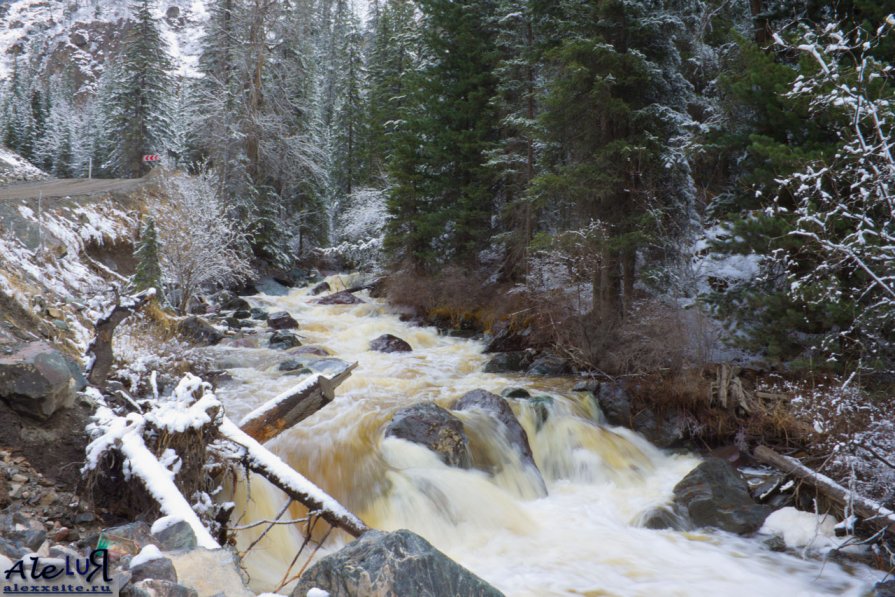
(163, 523)
(315, 592)
(273, 404)
(147, 554)
(801, 529)
(182, 411)
(15, 167)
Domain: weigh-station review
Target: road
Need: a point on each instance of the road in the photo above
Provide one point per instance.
(65, 187)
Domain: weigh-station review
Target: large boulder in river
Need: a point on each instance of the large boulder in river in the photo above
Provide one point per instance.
(283, 340)
(391, 565)
(200, 331)
(498, 408)
(549, 365)
(504, 338)
(37, 380)
(281, 321)
(435, 428)
(340, 298)
(509, 362)
(389, 343)
(714, 495)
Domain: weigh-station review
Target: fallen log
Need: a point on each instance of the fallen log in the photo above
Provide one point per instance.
(263, 462)
(99, 353)
(871, 512)
(292, 406)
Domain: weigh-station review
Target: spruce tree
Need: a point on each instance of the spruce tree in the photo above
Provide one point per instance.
(139, 108)
(149, 272)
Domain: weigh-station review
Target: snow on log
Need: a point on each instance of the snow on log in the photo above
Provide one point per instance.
(263, 462)
(872, 512)
(292, 406)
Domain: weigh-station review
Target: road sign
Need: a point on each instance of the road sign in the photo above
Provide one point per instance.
(152, 158)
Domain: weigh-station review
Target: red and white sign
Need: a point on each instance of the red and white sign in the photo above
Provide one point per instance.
(152, 158)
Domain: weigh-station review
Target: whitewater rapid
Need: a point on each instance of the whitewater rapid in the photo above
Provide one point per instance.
(583, 538)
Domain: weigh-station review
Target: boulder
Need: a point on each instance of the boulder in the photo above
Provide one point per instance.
(310, 350)
(663, 518)
(498, 408)
(259, 314)
(37, 380)
(503, 338)
(664, 431)
(179, 535)
(586, 385)
(549, 365)
(321, 288)
(128, 539)
(329, 366)
(230, 302)
(199, 331)
(509, 362)
(160, 569)
(884, 589)
(157, 588)
(242, 314)
(435, 428)
(79, 39)
(515, 393)
(340, 298)
(615, 404)
(714, 495)
(281, 321)
(283, 340)
(296, 363)
(389, 343)
(210, 572)
(388, 565)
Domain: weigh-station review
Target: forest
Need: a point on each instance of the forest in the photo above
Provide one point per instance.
(617, 170)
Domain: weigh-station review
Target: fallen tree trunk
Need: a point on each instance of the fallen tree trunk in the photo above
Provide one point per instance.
(292, 406)
(99, 353)
(871, 512)
(263, 462)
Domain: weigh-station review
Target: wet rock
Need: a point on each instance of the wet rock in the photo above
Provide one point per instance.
(586, 385)
(329, 366)
(237, 324)
(271, 287)
(504, 338)
(541, 405)
(391, 564)
(549, 365)
(775, 543)
(283, 340)
(36, 380)
(295, 364)
(321, 288)
(310, 350)
(199, 331)
(615, 404)
(515, 393)
(230, 302)
(179, 535)
(714, 495)
(509, 362)
(884, 589)
(242, 314)
(259, 314)
(498, 408)
(664, 431)
(157, 588)
(160, 569)
(340, 298)
(281, 321)
(662, 518)
(389, 343)
(435, 428)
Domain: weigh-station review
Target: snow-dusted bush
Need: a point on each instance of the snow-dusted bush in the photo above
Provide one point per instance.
(845, 205)
(359, 229)
(200, 245)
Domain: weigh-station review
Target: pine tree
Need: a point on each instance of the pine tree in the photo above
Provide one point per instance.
(149, 271)
(138, 121)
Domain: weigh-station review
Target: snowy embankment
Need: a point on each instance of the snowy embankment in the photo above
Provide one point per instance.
(14, 168)
(59, 262)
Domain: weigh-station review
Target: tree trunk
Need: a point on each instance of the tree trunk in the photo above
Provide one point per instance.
(100, 349)
(759, 24)
(629, 265)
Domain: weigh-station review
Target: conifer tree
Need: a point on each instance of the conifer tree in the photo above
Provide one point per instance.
(138, 118)
(149, 271)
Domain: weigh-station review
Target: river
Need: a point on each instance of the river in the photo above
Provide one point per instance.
(582, 538)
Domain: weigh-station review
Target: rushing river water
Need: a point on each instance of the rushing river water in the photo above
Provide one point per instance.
(582, 538)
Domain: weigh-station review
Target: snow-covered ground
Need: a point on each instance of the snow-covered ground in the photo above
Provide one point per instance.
(37, 27)
(14, 168)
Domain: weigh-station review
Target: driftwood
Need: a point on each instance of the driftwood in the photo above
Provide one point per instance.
(99, 352)
(293, 406)
(872, 513)
(261, 461)
(728, 390)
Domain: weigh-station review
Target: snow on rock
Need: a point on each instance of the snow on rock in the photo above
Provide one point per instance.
(14, 167)
(147, 554)
(801, 529)
(164, 523)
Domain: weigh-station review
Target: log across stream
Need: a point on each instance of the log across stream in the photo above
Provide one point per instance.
(582, 539)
